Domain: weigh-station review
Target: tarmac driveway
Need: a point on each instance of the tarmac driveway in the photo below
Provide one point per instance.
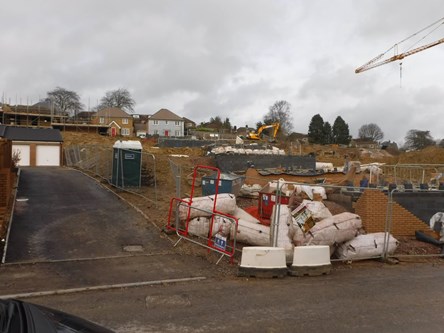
(62, 214)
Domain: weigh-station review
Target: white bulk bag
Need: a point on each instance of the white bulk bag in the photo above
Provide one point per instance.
(318, 210)
(252, 233)
(200, 226)
(334, 230)
(366, 246)
(319, 190)
(203, 206)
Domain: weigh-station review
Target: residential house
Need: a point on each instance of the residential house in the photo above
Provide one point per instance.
(118, 121)
(34, 146)
(140, 124)
(166, 123)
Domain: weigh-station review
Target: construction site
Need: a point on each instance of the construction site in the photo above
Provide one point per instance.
(401, 196)
(251, 230)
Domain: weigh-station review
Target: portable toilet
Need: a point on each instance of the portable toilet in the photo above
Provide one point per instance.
(127, 163)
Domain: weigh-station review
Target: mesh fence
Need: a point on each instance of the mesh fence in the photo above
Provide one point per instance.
(127, 169)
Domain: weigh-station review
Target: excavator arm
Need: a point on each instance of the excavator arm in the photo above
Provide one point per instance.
(258, 134)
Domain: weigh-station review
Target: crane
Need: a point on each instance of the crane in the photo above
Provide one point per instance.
(376, 61)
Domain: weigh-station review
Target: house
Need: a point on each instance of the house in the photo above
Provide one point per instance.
(166, 123)
(140, 125)
(188, 125)
(34, 146)
(118, 121)
(37, 115)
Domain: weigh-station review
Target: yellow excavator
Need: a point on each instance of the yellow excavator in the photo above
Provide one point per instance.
(258, 135)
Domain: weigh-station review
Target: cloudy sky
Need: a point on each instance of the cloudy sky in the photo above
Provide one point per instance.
(231, 58)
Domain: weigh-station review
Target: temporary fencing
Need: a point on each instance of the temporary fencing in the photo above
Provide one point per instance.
(126, 169)
(214, 229)
(385, 217)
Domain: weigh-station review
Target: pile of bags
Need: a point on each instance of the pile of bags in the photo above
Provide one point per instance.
(310, 223)
(246, 151)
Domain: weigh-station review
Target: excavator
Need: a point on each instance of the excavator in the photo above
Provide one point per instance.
(258, 135)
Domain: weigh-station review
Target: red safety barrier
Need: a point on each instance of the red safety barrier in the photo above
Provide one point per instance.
(215, 240)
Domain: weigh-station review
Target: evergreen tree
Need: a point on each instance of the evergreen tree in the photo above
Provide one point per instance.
(327, 133)
(341, 132)
(316, 129)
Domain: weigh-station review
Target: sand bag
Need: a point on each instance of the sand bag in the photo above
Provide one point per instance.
(334, 230)
(366, 246)
(203, 206)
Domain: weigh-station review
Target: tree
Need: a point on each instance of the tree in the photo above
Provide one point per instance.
(327, 135)
(416, 139)
(279, 112)
(371, 132)
(120, 98)
(227, 124)
(316, 129)
(341, 132)
(64, 101)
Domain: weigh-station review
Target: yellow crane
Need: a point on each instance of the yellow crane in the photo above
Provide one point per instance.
(378, 61)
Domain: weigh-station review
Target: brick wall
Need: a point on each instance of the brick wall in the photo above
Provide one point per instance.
(5, 153)
(5, 188)
(372, 208)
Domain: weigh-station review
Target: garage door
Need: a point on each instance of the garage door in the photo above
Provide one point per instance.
(25, 153)
(48, 155)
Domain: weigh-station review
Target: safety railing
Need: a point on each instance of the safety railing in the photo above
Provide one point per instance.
(218, 230)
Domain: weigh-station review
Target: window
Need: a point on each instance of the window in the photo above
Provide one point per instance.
(102, 120)
(125, 131)
(166, 122)
(156, 122)
(125, 121)
(177, 133)
(156, 132)
(177, 123)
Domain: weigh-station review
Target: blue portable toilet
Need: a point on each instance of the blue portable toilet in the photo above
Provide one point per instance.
(127, 164)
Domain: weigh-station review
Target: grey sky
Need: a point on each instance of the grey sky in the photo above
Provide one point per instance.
(230, 58)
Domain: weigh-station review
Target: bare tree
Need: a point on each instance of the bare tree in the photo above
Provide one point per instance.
(416, 139)
(64, 101)
(279, 112)
(371, 132)
(119, 98)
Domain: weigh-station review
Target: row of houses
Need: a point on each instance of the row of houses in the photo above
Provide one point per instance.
(111, 121)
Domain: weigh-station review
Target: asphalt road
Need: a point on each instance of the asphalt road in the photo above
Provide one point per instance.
(68, 215)
(71, 232)
(360, 299)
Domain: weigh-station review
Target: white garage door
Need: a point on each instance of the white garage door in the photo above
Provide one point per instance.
(25, 153)
(48, 155)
